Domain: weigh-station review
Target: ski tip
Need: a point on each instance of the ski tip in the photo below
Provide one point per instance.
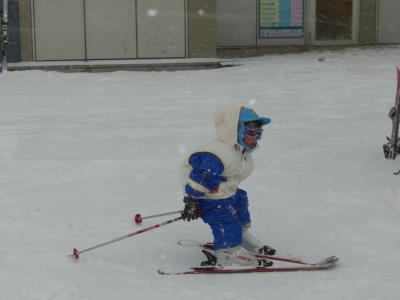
(333, 259)
(328, 262)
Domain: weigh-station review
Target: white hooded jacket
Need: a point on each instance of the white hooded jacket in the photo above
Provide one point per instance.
(238, 164)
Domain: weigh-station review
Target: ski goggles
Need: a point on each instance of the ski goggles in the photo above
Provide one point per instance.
(253, 132)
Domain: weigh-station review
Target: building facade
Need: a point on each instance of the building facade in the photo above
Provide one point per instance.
(57, 30)
(307, 23)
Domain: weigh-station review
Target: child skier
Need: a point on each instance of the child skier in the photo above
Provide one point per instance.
(211, 176)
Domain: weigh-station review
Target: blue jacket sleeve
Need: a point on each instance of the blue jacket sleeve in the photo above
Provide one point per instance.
(206, 171)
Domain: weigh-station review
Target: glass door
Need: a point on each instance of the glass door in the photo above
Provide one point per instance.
(334, 22)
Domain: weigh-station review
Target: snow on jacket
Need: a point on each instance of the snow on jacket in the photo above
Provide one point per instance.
(214, 171)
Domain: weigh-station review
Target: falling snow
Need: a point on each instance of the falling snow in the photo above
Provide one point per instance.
(81, 153)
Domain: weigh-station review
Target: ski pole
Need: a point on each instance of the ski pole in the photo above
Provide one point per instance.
(75, 252)
(138, 218)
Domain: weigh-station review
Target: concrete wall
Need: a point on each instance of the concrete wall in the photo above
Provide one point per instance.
(388, 21)
(161, 31)
(76, 30)
(106, 40)
(59, 30)
(236, 23)
(368, 22)
(206, 25)
(26, 44)
(202, 28)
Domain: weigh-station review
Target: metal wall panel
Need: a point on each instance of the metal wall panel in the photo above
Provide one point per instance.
(110, 29)
(59, 29)
(236, 23)
(389, 22)
(368, 22)
(161, 28)
(202, 32)
(26, 30)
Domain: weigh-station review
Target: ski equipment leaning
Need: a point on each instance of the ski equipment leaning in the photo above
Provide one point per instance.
(392, 147)
(4, 36)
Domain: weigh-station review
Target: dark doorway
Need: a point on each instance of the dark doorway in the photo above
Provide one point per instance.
(334, 20)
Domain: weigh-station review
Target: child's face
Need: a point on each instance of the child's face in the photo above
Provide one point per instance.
(251, 143)
(253, 134)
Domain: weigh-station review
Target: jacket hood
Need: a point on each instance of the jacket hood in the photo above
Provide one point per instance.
(226, 120)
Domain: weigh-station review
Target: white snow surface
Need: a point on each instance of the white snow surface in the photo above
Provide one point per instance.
(81, 153)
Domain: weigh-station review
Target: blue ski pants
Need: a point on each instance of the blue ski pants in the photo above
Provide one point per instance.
(226, 218)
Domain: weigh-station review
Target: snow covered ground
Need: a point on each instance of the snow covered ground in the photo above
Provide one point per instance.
(81, 153)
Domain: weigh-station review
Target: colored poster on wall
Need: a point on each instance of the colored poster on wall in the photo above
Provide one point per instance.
(281, 18)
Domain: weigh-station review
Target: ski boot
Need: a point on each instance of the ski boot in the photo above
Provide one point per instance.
(233, 256)
(252, 244)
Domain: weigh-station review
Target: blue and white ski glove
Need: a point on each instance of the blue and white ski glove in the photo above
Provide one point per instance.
(191, 210)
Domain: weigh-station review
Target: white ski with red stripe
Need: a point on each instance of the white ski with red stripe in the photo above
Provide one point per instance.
(191, 243)
(323, 265)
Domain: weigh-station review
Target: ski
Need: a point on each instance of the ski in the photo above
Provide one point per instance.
(392, 147)
(323, 265)
(190, 243)
(4, 36)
